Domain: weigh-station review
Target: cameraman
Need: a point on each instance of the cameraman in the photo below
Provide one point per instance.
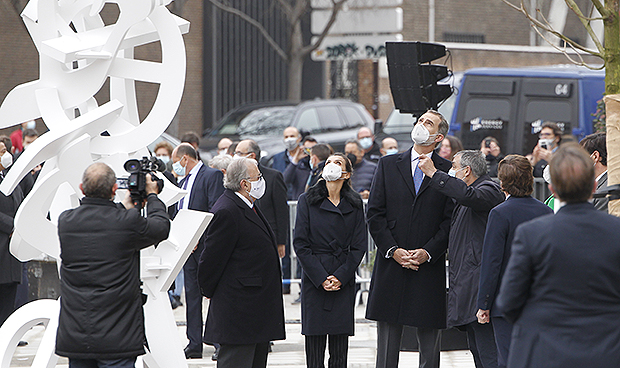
(101, 319)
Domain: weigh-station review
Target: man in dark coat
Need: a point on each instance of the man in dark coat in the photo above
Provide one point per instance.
(101, 317)
(475, 194)
(204, 185)
(596, 145)
(517, 181)
(562, 284)
(10, 267)
(410, 228)
(363, 170)
(240, 272)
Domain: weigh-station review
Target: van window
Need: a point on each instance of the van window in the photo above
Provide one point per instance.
(538, 112)
(485, 117)
(309, 121)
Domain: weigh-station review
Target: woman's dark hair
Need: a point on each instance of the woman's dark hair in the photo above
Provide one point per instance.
(515, 175)
(318, 192)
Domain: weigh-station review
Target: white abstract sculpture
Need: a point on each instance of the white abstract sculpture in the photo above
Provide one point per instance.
(78, 53)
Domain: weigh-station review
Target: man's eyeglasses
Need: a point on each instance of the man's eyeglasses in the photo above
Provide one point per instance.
(239, 153)
(257, 179)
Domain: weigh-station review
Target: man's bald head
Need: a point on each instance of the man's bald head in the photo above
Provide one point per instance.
(99, 181)
(291, 132)
(184, 149)
(364, 132)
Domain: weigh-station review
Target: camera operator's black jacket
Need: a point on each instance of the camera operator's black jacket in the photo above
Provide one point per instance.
(101, 313)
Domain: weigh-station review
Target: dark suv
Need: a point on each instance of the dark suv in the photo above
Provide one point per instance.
(328, 121)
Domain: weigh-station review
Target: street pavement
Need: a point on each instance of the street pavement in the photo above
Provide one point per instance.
(287, 353)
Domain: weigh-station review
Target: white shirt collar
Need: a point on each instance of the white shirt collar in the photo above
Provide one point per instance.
(244, 199)
(415, 154)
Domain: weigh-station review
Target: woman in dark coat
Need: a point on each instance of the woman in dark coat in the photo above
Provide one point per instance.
(330, 241)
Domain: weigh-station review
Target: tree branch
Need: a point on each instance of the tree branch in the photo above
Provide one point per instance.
(255, 23)
(586, 23)
(286, 8)
(563, 50)
(601, 8)
(546, 27)
(336, 7)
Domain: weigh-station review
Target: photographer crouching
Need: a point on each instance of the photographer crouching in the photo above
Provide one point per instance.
(101, 318)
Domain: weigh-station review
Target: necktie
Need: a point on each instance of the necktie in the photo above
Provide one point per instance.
(184, 187)
(418, 176)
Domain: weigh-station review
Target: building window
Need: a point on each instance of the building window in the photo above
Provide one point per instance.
(463, 37)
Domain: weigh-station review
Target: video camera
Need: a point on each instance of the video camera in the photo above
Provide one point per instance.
(136, 183)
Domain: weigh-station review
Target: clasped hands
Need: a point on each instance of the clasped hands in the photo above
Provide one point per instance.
(411, 259)
(331, 283)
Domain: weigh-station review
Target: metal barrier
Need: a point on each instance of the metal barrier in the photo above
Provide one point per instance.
(541, 192)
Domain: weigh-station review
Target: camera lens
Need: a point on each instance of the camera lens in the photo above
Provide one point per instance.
(132, 166)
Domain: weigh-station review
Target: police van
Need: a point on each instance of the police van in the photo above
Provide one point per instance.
(511, 104)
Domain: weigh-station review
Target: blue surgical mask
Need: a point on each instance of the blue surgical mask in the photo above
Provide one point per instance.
(391, 151)
(453, 172)
(164, 158)
(366, 142)
(178, 168)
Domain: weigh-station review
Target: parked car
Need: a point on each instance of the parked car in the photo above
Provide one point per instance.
(328, 121)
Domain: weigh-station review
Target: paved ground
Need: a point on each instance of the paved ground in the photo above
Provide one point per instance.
(286, 354)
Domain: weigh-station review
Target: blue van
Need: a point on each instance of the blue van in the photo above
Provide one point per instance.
(511, 104)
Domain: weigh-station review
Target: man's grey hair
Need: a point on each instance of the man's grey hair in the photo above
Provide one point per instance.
(237, 171)
(98, 181)
(220, 162)
(356, 142)
(475, 160)
(444, 126)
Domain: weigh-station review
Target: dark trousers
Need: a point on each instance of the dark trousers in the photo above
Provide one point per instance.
(243, 356)
(388, 345)
(21, 297)
(102, 363)
(7, 300)
(503, 333)
(482, 344)
(315, 351)
(193, 302)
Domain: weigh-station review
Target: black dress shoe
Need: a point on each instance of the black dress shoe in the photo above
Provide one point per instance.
(192, 354)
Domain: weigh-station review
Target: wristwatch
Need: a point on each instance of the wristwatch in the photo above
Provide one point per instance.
(390, 252)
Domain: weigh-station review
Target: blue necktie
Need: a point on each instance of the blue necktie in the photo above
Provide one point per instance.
(418, 176)
(184, 187)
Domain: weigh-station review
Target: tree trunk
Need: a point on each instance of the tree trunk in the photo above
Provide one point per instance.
(612, 99)
(295, 63)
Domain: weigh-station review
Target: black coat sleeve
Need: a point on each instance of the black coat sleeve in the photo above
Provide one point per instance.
(280, 208)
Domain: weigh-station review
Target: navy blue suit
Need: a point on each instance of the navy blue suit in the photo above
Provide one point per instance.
(280, 161)
(561, 290)
(207, 188)
(501, 226)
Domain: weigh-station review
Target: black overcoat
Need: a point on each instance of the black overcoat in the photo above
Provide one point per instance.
(399, 217)
(561, 290)
(10, 267)
(273, 203)
(101, 313)
(329, 240)
(239, 270)
(469, 220)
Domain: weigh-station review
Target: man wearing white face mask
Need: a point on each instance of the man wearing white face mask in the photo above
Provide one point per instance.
(409, 221)
(17, 136)
(240, 272)
(204, 187)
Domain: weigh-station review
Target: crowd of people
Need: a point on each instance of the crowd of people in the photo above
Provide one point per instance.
(517, 273)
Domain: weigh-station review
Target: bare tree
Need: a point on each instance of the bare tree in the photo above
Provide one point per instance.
(608, 50)
(296, 51)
